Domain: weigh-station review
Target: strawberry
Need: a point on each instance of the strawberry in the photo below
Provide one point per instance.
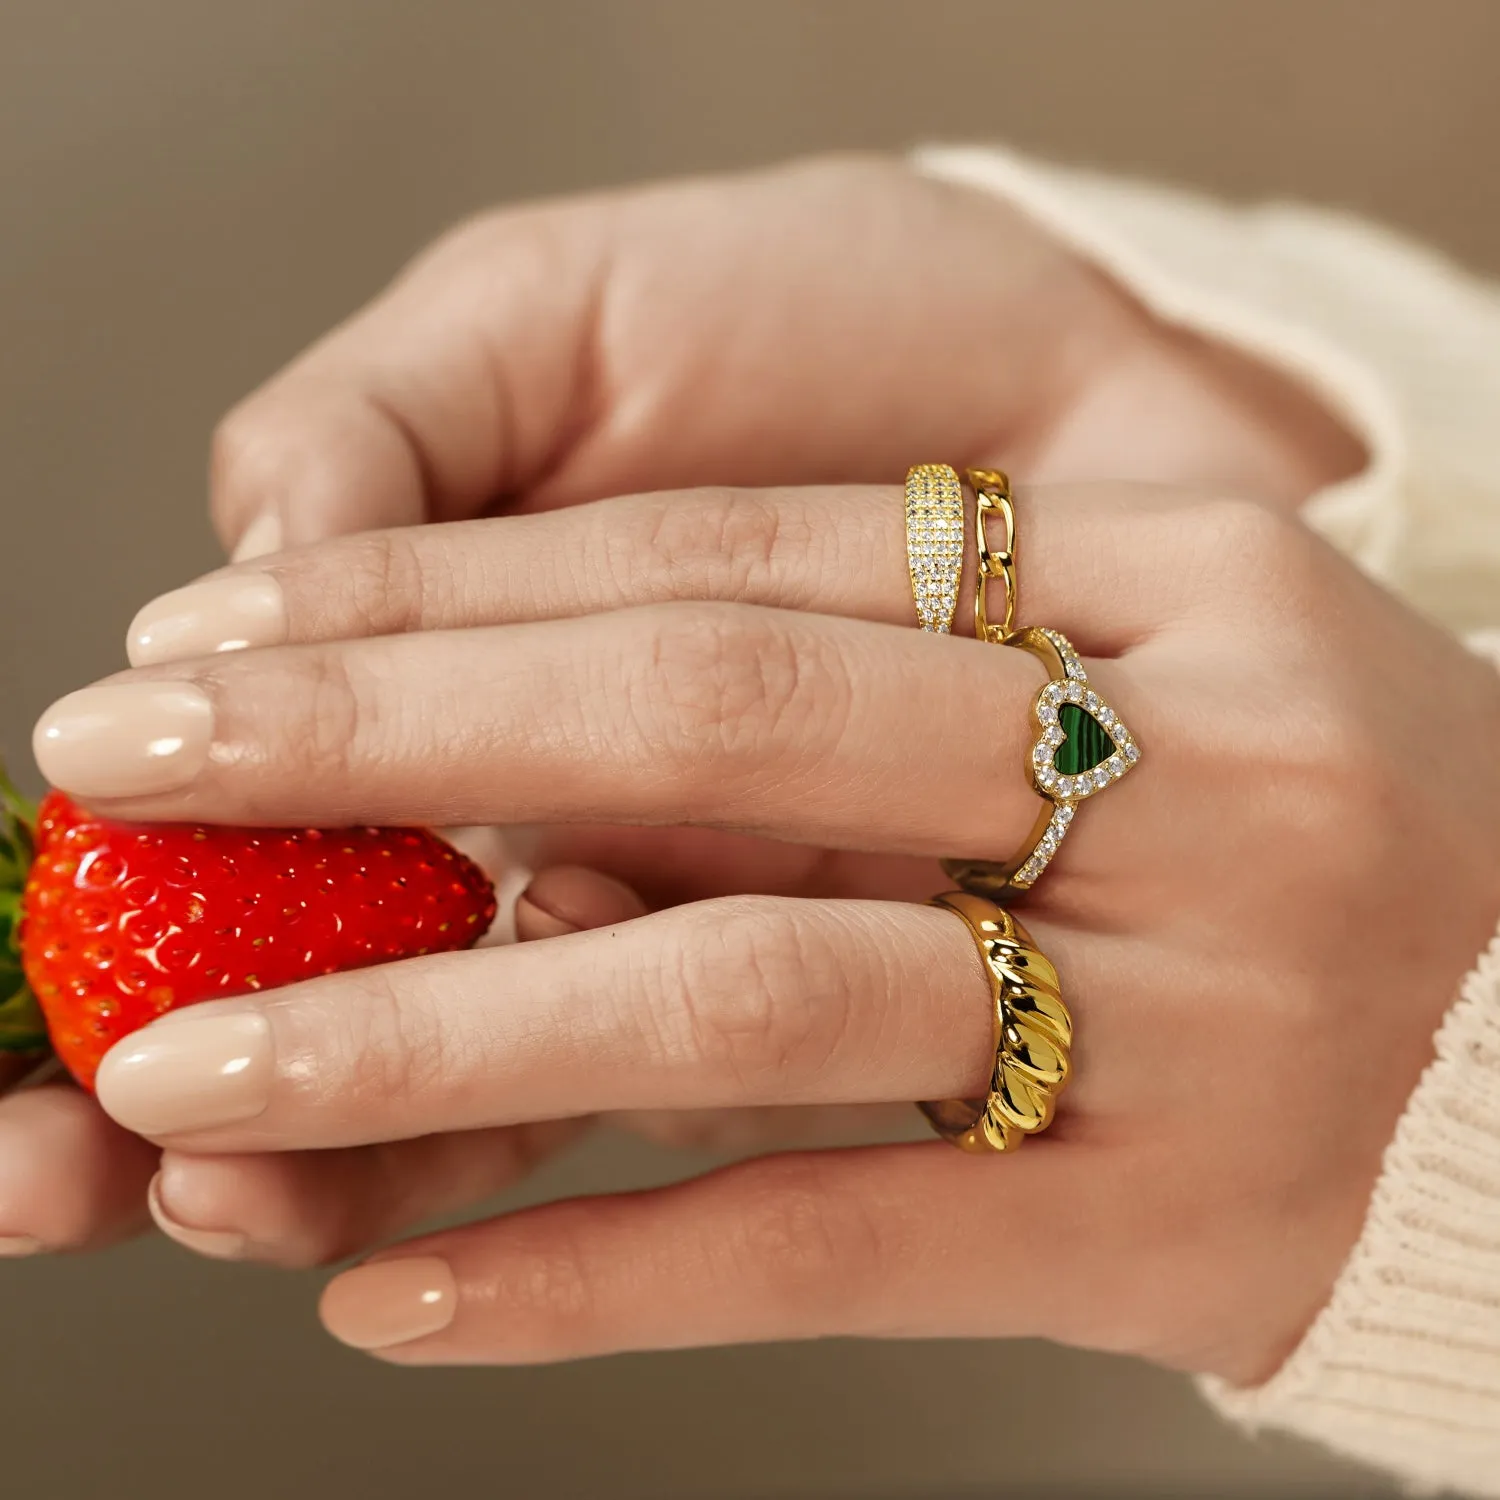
(105, 926)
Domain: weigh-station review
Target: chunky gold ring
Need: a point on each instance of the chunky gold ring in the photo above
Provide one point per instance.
(1080, 746)
(992, 499)
(934, 543)
(1033, 1035)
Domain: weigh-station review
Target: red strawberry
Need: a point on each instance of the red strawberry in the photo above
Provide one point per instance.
(119, 923)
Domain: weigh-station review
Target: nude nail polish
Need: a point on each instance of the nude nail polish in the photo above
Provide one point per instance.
(198, 1073)
(218, 1244)
(390, 1302)
(260, 538)
(17, 1246)
(126, 739)
(229, 613)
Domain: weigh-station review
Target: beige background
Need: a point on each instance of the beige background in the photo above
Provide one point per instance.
(190, 191)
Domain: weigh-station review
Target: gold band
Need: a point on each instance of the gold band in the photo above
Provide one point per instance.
(1033, 1035)
(1080, 745)
(934, 543)
(992, 499)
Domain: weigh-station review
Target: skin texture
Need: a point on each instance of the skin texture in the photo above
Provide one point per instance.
(1254, 1006)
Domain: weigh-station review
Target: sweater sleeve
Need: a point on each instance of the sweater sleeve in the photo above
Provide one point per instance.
(1402, 1367)
(1401, 344)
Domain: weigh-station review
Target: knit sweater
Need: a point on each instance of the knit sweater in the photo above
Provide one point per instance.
(1402, 1367)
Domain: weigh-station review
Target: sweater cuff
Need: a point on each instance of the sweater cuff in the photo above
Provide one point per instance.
(1200, 265)
(1402, 1368)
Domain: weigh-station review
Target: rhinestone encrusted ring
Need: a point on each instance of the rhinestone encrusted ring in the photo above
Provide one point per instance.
(934, 543)
(1080, 746)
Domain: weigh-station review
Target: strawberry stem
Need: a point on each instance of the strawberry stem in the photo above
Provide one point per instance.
(22, 1027)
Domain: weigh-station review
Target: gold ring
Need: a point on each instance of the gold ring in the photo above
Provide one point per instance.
(934, 543)
(992, 498)
(1033, 1035)
(1080, 746)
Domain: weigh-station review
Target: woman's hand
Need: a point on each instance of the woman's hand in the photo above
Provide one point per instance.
(1258, 930)
(817, 323)
(825, 321)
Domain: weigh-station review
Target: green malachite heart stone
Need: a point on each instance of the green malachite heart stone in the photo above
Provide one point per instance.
(1087, 744)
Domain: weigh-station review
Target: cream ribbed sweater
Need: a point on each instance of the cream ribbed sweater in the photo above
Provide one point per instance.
(1402, 1368)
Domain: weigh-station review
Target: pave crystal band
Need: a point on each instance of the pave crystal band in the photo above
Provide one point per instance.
(934, 543)
(1080, 746)
(1033, 1035)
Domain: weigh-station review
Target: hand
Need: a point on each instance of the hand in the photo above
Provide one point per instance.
(1259, 929)
(822, 322)
(779, 328)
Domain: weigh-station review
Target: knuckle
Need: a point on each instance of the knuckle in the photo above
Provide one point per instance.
(550, 1302)
(1352, 793)
(467, 247)
(813, 1246)
(1269, 555)
(302, 713)
(750, 996)
(371, 1044)
(1241, 526)
(728, 693)
(717, 543)
(326, 735)
(248, 466)
(384, 581)
(478, 264)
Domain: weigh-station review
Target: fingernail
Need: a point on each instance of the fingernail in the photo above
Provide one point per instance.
(126, 739)
(15, 1246)
(260, 537)
(219, 614)
(390, 1302)
(220, 1244)
(198, 1073)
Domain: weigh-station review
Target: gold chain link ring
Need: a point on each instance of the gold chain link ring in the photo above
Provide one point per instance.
(996, 564)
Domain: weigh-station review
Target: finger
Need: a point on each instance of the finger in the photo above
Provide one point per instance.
(643, 340)
(755, 1000)
(569, 899)
(70, 1178)
(799, 727)
(838, 551)
(306, 1209)
(891, 1241)
(445, 393)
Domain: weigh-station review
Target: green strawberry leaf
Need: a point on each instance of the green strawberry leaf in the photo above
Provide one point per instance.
(17, 847)
(22, 1026)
